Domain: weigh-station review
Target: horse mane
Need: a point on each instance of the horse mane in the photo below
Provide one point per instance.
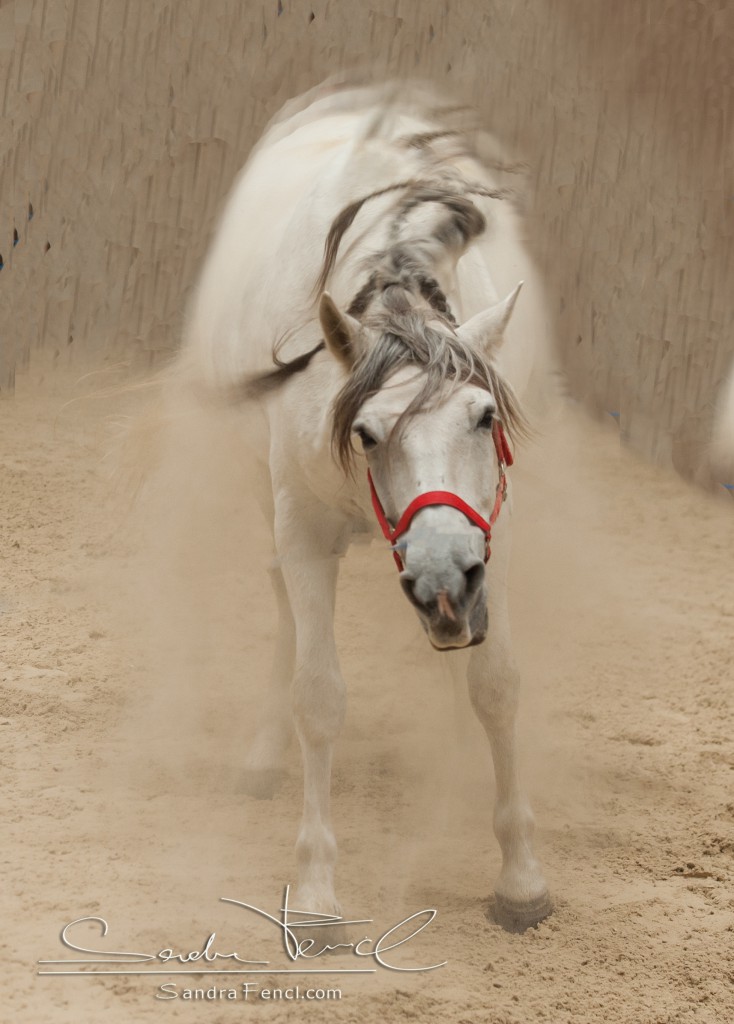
(405, 334)
(465, 221)
(259, 384)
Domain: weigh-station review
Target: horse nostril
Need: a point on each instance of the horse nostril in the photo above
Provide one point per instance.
(454, 598)
(474, 577)
(407, 582)
(423, 604)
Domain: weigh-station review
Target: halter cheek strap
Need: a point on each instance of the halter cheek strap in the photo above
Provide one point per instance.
(504, 458)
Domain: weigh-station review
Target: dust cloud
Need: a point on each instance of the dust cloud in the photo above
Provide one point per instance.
(137, 644)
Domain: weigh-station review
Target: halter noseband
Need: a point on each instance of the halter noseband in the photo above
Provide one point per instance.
(504, 458)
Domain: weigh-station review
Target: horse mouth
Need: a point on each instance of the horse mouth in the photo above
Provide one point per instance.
(477, 638)
(452, 634)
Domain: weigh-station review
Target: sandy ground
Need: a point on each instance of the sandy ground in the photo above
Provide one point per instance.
(133, 651)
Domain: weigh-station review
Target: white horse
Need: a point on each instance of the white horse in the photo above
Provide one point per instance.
(356, 247)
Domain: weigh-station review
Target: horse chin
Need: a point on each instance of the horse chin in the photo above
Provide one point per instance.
(456, 633)
(477, 639)
(469, 635)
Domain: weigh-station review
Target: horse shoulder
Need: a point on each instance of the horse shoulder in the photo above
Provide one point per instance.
(300, 427)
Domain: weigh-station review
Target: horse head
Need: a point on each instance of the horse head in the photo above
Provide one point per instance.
(425, 401)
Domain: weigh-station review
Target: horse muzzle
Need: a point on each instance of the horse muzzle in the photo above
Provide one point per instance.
(455, 616)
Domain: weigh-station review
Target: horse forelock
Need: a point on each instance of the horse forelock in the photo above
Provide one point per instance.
(443, 361)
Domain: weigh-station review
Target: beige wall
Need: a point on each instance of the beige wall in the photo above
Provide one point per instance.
(123, 123)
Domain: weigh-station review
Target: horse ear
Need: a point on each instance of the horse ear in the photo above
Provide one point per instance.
(485, 329)
(340, 331)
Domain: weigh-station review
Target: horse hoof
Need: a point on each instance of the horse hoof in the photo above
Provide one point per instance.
(261, 783)
(518, 917)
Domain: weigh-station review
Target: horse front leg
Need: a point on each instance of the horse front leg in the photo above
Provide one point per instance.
(264, 768)
(521, 893)
(309, 549)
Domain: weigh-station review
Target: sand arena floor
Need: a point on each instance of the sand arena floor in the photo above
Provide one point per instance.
(134, 646)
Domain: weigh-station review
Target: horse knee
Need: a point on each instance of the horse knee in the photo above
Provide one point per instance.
(319, 705)
(494, 691)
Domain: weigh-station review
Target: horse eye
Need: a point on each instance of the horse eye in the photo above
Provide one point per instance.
(487, 420)
(366, 438)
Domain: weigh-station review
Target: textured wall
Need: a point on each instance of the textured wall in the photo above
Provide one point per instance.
(124, 123)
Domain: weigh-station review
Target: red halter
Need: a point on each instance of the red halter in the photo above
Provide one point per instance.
(504, 458)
